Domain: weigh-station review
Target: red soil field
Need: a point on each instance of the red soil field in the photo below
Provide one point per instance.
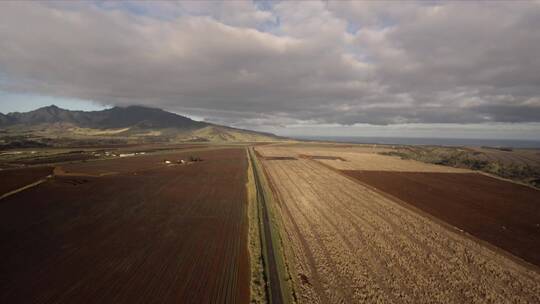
(64, 157)
(158, 147)
(174, 234)
(504, 214)
(132, 164)
(12, 179)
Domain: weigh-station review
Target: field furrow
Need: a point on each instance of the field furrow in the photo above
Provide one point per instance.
(352, 244)
(153, 233)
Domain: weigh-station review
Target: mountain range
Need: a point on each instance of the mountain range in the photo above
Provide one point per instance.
(130, 124)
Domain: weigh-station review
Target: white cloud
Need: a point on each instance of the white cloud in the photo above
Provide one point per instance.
(318, 62)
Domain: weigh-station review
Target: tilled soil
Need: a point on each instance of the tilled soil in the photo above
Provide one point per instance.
(168, 235)
(351, 244)
(504, 214)
(12, 179)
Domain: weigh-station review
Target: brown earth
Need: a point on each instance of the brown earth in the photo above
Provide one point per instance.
(504, 214)
(132, 164)
(174, 234)
(64, 157)
(350, 244)
(12, 179)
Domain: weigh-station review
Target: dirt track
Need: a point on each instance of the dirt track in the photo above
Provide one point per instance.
(350, 244)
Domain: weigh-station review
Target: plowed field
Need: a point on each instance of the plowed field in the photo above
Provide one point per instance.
(12, 179)
(502, 213)
(350, 244)
(170, 234)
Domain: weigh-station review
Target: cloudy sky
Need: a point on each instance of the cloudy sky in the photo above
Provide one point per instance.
(451, 69)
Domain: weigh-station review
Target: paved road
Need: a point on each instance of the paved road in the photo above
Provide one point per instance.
(274, 286)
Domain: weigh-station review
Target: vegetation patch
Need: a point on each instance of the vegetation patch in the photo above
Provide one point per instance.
(325, 157)
(514, 169)
(280, 158)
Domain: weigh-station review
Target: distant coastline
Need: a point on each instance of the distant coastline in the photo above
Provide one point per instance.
(424, 141)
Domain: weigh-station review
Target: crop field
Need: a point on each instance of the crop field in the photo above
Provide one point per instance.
(151, 233)
(361, 158)
(294, 150)
(124, 165)
(158, 147)
(368, 161)
(349, 243)
(65, 157)
(501, 213)
(12, 179)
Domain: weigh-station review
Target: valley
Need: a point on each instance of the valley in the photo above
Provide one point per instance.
(274, 222)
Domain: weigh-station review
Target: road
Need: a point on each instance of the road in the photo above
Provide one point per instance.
(274, 289)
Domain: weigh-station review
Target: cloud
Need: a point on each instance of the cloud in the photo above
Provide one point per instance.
(289, 63)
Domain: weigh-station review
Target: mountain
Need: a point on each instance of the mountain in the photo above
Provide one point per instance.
(133, 123)
(116, 117)
(5, 120)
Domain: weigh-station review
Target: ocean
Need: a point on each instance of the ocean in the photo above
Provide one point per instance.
(424, 141)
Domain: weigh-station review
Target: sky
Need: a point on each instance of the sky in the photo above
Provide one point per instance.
(429, 68)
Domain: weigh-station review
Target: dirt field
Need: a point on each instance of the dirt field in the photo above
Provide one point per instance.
(133, 163)
(123, 165)
(353, 158)
(12, 179)
(174, 234)
(353, 245)
(502, 213)
(368, 161)
(294, 150)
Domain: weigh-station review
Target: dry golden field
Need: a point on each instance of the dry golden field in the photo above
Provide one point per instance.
(352, 244)
(355, 158)
(372, 162)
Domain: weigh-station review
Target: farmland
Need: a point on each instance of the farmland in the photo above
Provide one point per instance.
(13, 179)
(504, 214)
(147, 233)
(353, 158)
(285, 223)
(353, 243)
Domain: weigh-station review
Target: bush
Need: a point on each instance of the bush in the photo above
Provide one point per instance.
(194, 158)
(395, 153)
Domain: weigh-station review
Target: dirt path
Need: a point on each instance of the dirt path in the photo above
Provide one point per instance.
(352, 244)
(5, 195)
